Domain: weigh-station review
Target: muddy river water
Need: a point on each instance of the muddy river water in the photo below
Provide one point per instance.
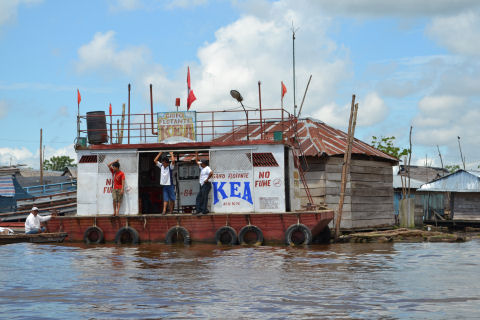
(151, 281)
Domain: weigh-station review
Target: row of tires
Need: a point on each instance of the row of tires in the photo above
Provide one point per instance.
(296, 234)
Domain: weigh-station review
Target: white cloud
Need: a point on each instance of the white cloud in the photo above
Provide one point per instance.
(101, 54)
(9, 9)
(125, 5)
(22, 155)
(406, 8)
(63, 111)
(371, 110)
(3, 109)
(185, 4)
(460, 34)
(16, 156)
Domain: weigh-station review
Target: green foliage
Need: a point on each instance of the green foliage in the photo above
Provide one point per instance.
(58, 163)
(387, 145)
(452, 167)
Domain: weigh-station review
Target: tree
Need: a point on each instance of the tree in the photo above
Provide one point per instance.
(452, 167)
(58, 163)
(386, 144)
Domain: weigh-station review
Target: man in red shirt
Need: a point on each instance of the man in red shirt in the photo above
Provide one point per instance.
(118, 185)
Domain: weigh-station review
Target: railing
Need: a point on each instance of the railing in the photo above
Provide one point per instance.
(51, 188)
(250, 124)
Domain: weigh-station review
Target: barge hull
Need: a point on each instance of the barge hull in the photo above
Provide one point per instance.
(202, 228)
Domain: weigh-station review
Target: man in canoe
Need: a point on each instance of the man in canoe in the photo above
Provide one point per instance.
(33, 222)
(118, 185)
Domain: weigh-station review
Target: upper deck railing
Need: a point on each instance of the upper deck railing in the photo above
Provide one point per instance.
(231, 125)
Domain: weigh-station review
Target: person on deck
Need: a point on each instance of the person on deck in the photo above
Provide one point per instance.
(205, 185)
(118, 185)
(166, 181)
(32, 224)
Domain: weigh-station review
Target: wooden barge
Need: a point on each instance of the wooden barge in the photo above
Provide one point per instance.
(255, 194)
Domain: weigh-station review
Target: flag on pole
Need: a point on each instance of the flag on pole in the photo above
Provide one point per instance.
(79, 97)
(110, 109)
(190, 96)
(284, 89)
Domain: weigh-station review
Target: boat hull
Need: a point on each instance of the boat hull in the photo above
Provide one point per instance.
(201, 228)
(50, 237)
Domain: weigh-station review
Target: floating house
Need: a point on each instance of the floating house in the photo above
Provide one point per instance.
(461, 192)
(369, 200)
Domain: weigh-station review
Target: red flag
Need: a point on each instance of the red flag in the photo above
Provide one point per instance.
(284, 89)
(190, 99)
(110, 109)
(188, 78)
(79, 98)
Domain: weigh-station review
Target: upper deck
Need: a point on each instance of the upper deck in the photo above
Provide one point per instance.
(184, 129)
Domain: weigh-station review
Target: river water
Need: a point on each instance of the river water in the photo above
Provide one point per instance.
(151, 281)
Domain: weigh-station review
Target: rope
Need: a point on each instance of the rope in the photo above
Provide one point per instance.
(126, 222)
(144, 222)
(95, 221)
(248, 217)
(226, 222)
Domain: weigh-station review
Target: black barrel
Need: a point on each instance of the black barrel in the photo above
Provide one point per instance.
(97, 127)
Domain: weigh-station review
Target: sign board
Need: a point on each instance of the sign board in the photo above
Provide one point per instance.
(177, 126)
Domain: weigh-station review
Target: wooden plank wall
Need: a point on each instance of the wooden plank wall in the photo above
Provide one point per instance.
(466, 206)
(369, 193)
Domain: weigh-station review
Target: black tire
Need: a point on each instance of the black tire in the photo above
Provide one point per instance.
(298, 234)
(127, 235)
(245, 238)
(226, 235)
(93, 235)
(177, 234)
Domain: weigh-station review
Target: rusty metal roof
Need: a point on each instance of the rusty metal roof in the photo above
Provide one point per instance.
(315, 137)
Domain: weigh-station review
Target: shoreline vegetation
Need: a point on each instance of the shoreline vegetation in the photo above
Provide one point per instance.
(409, 235)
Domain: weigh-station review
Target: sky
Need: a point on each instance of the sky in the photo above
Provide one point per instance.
(409, 63)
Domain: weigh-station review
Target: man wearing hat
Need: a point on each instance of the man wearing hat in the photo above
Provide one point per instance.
(32, 224)
(205, 185)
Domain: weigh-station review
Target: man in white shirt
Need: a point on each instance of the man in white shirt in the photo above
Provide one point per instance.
(166, 181)
(32, 224)
(205, 185)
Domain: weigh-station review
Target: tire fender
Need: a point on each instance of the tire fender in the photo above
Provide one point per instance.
(231, 234)
(173, 233)
(295, 228)
(127, 235)
(93, 235)
(248, 229)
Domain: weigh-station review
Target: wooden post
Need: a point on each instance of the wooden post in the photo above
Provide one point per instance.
(41, 158)
(346, 164)
(120, 139)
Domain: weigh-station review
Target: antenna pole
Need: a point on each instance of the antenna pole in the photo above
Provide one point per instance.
(293, 56)
(440, 155)
(461, 155)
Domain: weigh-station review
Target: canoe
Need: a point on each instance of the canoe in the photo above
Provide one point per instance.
(34, 238)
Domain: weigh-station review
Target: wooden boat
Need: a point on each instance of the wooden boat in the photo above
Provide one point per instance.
(34, 238)
(256, 186)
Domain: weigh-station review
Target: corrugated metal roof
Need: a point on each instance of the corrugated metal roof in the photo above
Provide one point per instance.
(397, 182)
(459, 181)
(315, 138)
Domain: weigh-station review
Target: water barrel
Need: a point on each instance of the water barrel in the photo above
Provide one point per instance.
(97, 127)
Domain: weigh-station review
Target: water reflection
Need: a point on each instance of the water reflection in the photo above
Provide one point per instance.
(360, 281)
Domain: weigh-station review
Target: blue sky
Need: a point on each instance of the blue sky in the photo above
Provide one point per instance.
(408, 62)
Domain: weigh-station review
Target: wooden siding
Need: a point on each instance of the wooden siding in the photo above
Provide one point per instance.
(466, 206)
(368, 199)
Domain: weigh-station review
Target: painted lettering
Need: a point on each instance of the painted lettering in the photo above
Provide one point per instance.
(218, 189)
(235, 192)
(264, 174)
(108, 182)
(262, 183)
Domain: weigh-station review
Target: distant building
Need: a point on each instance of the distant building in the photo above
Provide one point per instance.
(461, 191)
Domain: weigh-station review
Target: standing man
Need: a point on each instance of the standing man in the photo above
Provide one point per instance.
(32, 224)
(205, 185)
(166, 181)
(118, 185)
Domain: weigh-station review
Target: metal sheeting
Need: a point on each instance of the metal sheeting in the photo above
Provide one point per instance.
(460, 181)
(7, 188)
(315, 137)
